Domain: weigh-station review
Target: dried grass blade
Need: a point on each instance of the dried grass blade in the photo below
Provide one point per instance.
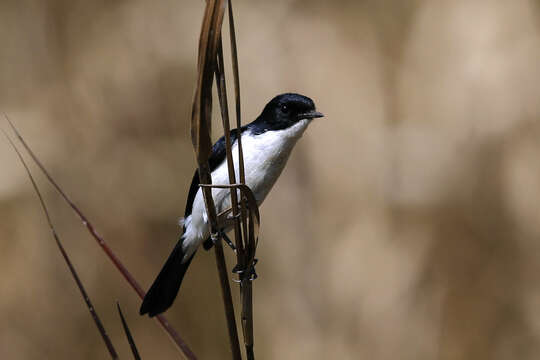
(247, 317)
(201, 137)
(229, 308)
(78, 281)
(238, 108)
(200, 132)
(246, 288)
(251, 231)
(222, 92)
(236, 76)
(129, 337)
(180, 343)
(202, 103)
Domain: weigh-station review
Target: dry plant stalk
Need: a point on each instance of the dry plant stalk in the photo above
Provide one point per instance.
(252, 235)
(129, 337)
(84, 294)
(200, 135)
(180, 343)
(245, 215)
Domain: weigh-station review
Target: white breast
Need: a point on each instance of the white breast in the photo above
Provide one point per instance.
(265, 156)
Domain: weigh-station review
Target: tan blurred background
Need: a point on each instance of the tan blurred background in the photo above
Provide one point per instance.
(406, 225)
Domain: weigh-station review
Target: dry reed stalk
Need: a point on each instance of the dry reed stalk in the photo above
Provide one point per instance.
(84, 294)
(200, 135)
(245, 215)
(252, 236)
(129, 337)
(175, 337)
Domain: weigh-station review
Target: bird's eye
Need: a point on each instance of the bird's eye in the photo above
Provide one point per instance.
(285, 109)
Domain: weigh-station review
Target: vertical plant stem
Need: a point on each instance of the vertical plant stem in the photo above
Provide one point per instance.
(236, 76)
(246, 289)
(204, 174)
(222, 92)
(247, 317)
(238, 111)
(245, 258)
(200, 133)
(211, 63)
(227, 300)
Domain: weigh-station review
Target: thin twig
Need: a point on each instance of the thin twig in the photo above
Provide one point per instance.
(78, 281)
(129, 337)
(180, 343)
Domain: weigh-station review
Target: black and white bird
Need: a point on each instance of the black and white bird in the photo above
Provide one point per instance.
(267, 143)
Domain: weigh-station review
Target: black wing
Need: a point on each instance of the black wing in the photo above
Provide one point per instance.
(216, 158)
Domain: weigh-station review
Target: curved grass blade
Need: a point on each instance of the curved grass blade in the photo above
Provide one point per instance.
(84, 294)
(180, 343)
(200, 134)
(132, 345)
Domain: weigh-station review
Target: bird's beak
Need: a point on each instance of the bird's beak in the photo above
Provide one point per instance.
(310, 115)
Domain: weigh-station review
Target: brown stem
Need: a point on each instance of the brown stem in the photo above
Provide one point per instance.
(182, 345)
(227, 299)
(74, 274)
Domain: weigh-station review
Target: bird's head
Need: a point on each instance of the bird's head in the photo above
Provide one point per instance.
(286, 110)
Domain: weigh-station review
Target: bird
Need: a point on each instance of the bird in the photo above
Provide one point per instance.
(267, 143)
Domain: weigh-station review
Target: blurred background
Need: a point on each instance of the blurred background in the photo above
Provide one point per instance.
(406, 224)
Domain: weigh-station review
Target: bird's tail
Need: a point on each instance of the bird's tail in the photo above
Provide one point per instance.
(165, 288)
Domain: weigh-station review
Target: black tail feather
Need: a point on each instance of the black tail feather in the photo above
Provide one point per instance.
(165, 288)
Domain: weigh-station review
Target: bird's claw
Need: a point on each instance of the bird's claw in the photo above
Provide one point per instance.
(250, 271)
(228, 241)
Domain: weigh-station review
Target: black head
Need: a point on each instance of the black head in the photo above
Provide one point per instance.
(284, 111)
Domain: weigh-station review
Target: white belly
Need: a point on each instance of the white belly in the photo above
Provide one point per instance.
(265, 156)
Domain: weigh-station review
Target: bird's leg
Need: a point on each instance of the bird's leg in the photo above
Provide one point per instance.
(227, 240)
(249, 272)
(252, 273)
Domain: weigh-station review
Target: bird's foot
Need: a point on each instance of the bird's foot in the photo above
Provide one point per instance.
(248, 273)
(228, 241)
